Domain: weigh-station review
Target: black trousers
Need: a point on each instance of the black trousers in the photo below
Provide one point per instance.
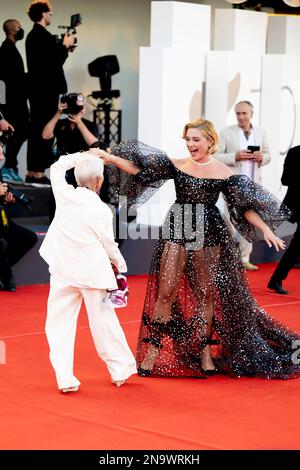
(14, 145)
(39, 151)
(289, 258)
(15, 241)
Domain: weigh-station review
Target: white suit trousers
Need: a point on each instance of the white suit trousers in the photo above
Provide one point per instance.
(64, 304)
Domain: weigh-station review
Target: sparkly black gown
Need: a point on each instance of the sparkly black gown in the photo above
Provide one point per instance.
(198, 292)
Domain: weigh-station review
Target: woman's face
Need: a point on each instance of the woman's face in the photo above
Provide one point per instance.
(197, 144)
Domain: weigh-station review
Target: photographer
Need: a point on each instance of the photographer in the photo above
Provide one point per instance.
(15, 240)
(72, 134)
(45, 59)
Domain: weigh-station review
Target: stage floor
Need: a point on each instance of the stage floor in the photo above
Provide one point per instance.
(217, 413)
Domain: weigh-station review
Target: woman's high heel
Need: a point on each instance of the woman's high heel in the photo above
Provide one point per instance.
(206, 342)
(144, 372)
(157, 330)
(210, 372)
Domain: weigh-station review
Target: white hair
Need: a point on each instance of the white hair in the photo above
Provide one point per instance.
(88, 170)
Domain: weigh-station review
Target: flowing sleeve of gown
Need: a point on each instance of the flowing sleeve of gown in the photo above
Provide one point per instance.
(242, 194)
(156, 169)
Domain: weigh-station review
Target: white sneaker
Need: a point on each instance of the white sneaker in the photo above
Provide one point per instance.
(118, 383)
(69, 389)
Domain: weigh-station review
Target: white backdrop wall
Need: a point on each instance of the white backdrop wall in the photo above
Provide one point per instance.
(240, 68)
(280, 112)
(172, 74)
(231, 77)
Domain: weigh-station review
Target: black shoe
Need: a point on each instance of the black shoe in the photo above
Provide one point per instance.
(8, 285)
(277, 287)
(205, 342)
(38, 182)
(144, 372)
(210, 372)
(157, 330)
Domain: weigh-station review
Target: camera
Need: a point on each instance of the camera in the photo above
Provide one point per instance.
(75, 102)
(20, 197)
(5, 136)
(75, 21)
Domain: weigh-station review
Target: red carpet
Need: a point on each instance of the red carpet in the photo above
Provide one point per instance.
(146, 413)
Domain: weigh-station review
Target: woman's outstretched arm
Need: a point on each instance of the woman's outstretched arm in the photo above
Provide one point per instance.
(119, 162)
(269, 237)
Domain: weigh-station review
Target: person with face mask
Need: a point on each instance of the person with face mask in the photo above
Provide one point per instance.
(15, 108)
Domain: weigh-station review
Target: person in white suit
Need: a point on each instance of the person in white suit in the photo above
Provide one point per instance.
(234, 152)
(80, 250)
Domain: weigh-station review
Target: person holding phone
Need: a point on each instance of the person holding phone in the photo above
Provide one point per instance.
(245, 149)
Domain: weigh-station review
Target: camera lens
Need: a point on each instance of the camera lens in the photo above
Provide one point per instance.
(6, 135)
(22, 198)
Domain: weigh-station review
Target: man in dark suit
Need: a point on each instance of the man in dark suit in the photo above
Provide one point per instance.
(46, 81)
(290, 178)
(15, 108)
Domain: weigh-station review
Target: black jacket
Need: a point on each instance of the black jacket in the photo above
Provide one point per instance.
(70, 140)
(291, 179)
(12, 73)
(45, 59)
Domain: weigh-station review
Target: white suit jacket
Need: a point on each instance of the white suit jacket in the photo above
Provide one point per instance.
(79, 246)
(230, 144)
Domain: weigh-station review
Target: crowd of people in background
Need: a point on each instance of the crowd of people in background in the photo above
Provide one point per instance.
(41, 87)
(32, 112)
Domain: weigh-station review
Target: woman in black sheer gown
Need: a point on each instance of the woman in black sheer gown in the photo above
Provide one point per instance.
(199, 315)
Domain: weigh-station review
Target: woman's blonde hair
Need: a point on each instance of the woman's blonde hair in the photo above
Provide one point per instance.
(207, 129)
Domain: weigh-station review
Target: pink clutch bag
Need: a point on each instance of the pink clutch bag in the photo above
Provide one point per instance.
(119, 297)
